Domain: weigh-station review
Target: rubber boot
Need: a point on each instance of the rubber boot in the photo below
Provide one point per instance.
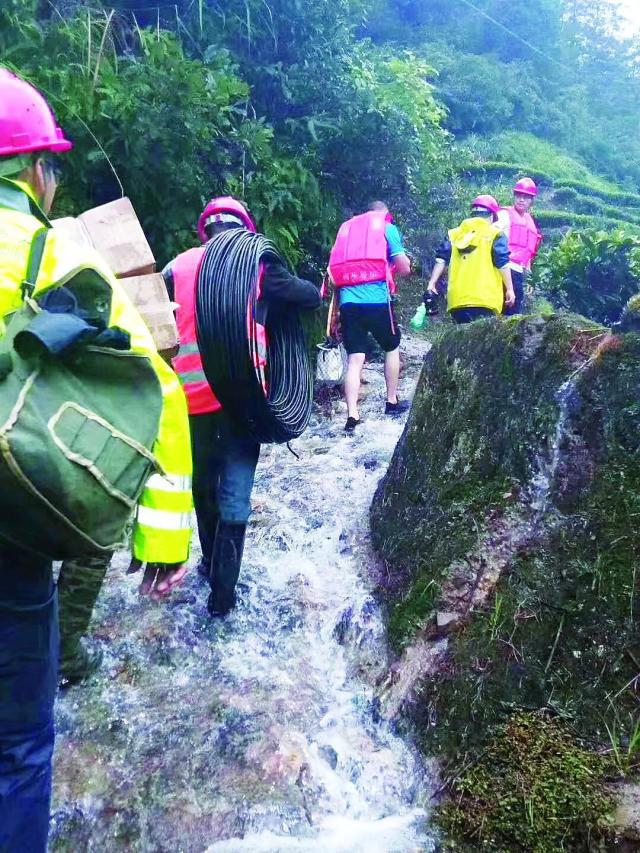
(204, 563)
(225, 567)
(79, 585)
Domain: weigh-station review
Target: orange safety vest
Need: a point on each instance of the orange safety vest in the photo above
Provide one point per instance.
(188, 363)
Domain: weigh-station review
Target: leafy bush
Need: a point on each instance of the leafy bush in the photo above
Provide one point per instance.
(208, 103)
(149, 123)
(591, 272)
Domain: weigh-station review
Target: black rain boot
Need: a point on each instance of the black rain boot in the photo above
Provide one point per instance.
(207, 544)
(225, 567)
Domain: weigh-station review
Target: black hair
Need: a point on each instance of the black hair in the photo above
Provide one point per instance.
(211, 229)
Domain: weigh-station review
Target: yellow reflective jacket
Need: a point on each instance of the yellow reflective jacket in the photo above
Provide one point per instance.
(162, 531)
(474, 282)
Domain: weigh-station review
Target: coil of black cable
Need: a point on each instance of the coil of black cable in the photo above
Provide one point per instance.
(226, 301)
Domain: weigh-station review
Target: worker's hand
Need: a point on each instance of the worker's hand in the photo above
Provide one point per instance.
(431, 288)
(159, 578)
(510, 297)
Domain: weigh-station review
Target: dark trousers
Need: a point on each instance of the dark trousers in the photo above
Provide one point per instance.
(468, 315)
(224, 467)
(517, 279)
(28, 681)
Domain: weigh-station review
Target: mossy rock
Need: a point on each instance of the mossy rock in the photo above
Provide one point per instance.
(534, 789)
(530, 427)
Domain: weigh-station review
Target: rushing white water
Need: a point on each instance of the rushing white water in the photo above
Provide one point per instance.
(259, 732)
(547, 465)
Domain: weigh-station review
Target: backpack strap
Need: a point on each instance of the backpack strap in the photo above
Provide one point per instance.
(35, 260)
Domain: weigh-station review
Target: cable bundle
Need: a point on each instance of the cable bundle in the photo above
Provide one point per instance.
(272, 403)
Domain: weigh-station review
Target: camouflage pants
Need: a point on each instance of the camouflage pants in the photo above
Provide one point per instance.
(79, 585)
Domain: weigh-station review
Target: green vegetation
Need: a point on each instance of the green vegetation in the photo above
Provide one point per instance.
(624, 199)
(310, 111)
(234, 102)
(592, 272)
(542, 157)
(534, 789)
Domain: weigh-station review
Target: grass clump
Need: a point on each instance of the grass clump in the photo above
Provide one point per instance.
(533, 789)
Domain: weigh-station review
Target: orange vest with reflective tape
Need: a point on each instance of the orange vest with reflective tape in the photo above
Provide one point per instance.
(188, 363)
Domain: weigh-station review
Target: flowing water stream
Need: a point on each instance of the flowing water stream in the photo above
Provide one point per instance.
(259, 732)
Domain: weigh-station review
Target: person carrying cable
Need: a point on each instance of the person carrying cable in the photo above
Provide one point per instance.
(523, 236)
(367, 254)
(477, 255)
(29, 141)
(224, 456)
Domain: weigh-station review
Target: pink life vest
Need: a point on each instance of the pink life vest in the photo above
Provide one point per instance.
(359, 254)
(524, 238)
(188, 363)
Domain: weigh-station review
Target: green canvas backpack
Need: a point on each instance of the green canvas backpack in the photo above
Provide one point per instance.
(76, 432)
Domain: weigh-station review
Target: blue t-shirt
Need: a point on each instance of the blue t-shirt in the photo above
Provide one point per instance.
(374, 292)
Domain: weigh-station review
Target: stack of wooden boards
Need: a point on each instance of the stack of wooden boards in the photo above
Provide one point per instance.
(114, 230)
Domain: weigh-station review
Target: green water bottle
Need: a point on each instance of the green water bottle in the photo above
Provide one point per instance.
(418, 320)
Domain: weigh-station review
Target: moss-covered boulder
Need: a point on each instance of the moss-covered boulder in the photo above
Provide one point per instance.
(630, 320)
(534, 789)
(509, 521)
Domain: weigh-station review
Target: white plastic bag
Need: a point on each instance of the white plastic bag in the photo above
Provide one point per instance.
(331, 364)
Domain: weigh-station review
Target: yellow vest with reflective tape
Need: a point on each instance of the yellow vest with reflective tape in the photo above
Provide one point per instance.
(474, 282)
(162, 530)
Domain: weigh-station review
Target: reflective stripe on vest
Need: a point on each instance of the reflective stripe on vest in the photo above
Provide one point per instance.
(163, 519)
(524, 238)
(168, 483)
(188, 364)
(474, 282)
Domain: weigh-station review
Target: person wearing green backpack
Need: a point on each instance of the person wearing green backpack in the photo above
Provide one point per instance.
(29, 141)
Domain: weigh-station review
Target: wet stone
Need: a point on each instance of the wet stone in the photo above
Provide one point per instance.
(447, 620)
(330, 756)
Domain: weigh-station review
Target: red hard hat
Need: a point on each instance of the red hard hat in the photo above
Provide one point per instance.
(217, 207)
(26, 120)
(526, 186)
(488, 202)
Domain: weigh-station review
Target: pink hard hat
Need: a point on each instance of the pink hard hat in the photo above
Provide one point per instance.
(26, 120)
(488, 202)
(216, 210)
(526, 186)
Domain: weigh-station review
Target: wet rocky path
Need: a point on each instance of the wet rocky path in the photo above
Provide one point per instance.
(259, 732)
